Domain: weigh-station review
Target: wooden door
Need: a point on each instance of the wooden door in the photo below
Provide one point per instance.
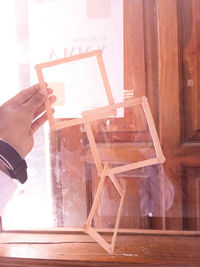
(179, 38)
(161, 61)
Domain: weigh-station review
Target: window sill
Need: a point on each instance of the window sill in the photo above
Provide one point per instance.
(78, 248)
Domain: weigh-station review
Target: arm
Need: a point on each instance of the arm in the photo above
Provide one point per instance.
(20, 117)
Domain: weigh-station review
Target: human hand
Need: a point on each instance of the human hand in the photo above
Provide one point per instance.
(22, 115)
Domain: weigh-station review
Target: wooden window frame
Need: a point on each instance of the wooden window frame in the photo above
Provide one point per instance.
(144, 247)
(72, 247)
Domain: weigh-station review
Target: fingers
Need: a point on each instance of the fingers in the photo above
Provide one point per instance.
(40, 110)
(23, 96)
(39, 122)
(36, 101)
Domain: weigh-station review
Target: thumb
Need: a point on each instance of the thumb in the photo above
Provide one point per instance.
(36, 100)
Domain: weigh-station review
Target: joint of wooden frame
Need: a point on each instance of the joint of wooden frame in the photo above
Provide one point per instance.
(161, 159)
(99, 239)
(116, 184)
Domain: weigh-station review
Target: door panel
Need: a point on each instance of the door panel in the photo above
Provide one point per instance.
(189, 39)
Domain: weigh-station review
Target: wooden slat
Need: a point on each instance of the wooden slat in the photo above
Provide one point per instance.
(169, 104)
(189, 36)
(47, 103)
(168, 73)
(68, 59)
(134, 57)
(116, 184)
(90, 115)
(105, 79)
(151, 57)
(190, 187)
(134, 47)
(119, 214)
(99, 239)
(93, 148)
(129, 249)
(96, 198)
(31, 234)
(122, 153)
(133, 166)
(152, 129)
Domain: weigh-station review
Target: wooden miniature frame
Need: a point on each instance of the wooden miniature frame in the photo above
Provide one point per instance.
(100, 113)
(105, 111)
(39, 67)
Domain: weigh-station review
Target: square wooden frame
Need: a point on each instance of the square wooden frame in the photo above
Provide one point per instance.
(105, 112)
(39, 67)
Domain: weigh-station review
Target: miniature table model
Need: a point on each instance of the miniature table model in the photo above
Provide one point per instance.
(104, 170)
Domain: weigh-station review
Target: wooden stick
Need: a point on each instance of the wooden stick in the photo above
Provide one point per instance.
(109, 108)
(94, 112)
(117, 221)
(99, 239)
(73, 122)
(133, 166)
(95, 203)
(68, 59)
(105, 79)
(152, 129)
(68, 123)
(116, 184)
(47, 103)
(96, 198)
(93, 147)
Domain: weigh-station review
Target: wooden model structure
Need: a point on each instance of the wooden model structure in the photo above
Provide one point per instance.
(103, 168)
